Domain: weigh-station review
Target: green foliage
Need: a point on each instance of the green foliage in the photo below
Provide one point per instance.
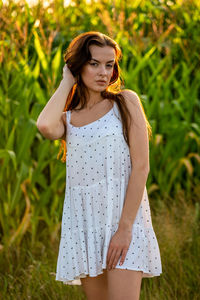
(160, 46)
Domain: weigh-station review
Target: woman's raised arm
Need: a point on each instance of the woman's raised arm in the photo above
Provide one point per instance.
(50, 121)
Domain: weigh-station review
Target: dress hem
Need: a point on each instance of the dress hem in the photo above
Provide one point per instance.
(77, 281)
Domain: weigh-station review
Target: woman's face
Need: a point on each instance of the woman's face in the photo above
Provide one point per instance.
(100, 67)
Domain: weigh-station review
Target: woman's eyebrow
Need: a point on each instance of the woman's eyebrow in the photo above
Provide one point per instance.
(99, 61)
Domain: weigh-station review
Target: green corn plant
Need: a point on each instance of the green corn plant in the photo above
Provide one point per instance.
(160, 46)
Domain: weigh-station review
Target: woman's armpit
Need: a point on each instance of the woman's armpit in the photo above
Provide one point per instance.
(65, 125)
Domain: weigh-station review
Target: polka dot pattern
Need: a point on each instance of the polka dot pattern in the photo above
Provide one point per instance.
(98, 167)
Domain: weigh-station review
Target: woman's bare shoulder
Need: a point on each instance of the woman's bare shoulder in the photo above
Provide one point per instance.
(131, 98)
(129, 94)
(134, 105)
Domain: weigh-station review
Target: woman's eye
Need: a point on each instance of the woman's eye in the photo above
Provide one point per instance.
(110, 66)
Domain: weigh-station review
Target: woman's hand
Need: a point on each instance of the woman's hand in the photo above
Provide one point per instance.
(68, 76)
(118, 246)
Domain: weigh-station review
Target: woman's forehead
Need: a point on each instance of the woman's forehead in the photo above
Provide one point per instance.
(102, 53)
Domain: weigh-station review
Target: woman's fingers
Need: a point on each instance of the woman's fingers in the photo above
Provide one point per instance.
(116, 258)
(110, 256)
(124, 252)
(113, 258)
(119, 246)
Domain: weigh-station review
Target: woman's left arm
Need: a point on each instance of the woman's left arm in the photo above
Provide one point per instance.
(134, 193)
(139, 153)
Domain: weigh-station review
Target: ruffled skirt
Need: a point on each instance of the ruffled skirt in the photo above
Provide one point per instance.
(90, 218)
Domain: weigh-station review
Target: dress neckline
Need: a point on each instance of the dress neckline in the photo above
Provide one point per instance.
(104, 116)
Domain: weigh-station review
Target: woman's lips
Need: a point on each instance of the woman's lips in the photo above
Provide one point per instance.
(101, 82)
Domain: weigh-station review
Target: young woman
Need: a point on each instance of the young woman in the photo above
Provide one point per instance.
(107, 243)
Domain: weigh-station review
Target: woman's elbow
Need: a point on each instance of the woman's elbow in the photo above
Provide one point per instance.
(41, 126)
(44, 130)
(142, 167)
(52, 134)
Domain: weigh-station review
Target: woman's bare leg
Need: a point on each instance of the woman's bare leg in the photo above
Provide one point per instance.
(96, 287)
(124, 284)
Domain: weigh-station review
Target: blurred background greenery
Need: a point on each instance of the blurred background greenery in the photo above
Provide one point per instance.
(160, 45)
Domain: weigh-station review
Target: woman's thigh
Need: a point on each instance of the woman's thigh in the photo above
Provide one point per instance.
(96, 287)
(124, 284)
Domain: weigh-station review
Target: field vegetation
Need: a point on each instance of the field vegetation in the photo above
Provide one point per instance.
(160, 45)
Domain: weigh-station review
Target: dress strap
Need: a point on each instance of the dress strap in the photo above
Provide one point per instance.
(116, 110)
(68, 115)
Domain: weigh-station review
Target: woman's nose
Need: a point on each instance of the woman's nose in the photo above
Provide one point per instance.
(102, 70)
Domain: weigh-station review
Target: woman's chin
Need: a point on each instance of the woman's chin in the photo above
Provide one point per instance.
(96, 90)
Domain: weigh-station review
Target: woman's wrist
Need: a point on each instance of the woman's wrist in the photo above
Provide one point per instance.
(66, 83)
(125, 225)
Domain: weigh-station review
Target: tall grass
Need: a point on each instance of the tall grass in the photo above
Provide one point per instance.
(160, 45)
(29, 272)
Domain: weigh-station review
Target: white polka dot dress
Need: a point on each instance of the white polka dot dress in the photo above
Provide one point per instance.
(98, 167)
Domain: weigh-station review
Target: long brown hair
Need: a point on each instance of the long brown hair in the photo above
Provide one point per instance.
(76, 55)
